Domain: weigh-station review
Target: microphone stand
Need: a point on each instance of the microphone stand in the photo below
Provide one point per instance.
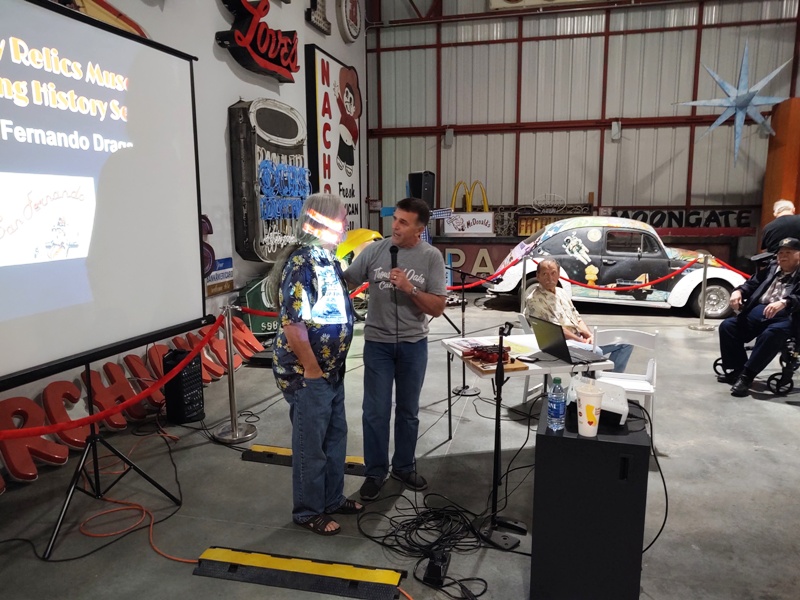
(488, 531)
(464, 389)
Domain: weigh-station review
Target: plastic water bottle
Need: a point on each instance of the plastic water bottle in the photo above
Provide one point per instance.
(556, 406)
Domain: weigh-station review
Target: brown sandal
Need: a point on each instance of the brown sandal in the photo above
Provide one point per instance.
(348, 507)
(318, 525)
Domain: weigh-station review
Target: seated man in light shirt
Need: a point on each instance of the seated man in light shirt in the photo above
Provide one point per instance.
(550, 303)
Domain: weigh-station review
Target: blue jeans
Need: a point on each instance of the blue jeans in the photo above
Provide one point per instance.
(619, 354)
(402, 366)
(770, 334)
(319, 445)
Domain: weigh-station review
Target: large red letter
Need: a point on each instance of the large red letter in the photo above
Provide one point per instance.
(245, 341)
(18, 454)
(122, 390)
(156, 357)
(211, 370)
(144, 378)
(53, 399)
(103, 399)
(219, 348)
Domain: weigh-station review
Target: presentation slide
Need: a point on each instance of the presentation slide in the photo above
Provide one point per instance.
(99, 206)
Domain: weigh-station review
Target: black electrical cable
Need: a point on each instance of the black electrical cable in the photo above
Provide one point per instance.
(660, 472)
(420, 532)
(504, 477)
(465, 592)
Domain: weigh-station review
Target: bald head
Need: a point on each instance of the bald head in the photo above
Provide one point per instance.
(782, 208)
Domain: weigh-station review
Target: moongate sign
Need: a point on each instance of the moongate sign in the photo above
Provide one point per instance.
(255, 45)
(680, 218)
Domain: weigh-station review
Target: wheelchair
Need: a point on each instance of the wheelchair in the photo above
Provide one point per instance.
(781, 383)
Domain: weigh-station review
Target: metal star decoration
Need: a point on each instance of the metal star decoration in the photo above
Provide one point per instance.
(741, 101)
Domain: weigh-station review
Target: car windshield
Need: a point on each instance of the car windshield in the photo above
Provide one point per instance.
(529, 240)
(521, 248)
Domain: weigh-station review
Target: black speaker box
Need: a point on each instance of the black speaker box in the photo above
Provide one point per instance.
(184, 392)
(422, 185)
(589, 504)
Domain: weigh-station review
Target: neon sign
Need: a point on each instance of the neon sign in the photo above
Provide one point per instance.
(255, 45)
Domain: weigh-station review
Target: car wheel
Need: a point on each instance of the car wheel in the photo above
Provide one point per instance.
(361, 304)
(718, 296)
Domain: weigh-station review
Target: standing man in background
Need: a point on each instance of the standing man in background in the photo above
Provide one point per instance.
(786, 224)
(406, 283)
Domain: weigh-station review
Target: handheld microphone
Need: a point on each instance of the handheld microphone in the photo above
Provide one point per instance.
(394, 250)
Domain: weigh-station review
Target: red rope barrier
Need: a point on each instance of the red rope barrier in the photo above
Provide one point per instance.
(23, 432)
(258, 313)
(494, 275)
(500, 272)
(632, 287)
(578, 283)
(263, 313)
(359, 289)
(727, 266)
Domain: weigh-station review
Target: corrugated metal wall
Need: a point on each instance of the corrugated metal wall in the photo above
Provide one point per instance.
(486, 158)
(401, 156)
(556, 137)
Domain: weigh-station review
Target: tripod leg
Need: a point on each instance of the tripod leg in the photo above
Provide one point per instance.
(70, 492)
(131, 464)
(458, 331)
(449, 399)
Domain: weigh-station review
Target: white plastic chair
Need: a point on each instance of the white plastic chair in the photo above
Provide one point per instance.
(637, 386)
(527, 393)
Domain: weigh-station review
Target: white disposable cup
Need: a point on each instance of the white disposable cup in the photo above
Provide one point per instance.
(590, 400)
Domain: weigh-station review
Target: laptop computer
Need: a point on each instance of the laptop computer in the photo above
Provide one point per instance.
(553, 342)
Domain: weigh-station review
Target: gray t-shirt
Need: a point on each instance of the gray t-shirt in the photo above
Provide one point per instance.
(403, 321)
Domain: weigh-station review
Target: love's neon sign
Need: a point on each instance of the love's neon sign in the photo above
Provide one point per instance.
(255, 45)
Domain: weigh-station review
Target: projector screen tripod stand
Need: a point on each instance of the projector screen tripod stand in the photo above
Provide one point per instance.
(92, 440)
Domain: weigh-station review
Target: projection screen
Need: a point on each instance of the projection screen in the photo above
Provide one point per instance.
(99, 192)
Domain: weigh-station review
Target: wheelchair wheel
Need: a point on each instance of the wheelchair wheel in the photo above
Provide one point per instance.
(719, 369)
(779, 385)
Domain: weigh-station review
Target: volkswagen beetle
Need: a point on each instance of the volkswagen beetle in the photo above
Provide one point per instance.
(611, 252)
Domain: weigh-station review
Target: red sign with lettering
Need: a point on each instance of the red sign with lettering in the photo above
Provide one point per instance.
(255, 45)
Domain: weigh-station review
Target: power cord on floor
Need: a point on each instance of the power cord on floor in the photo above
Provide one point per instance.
(124, 533)
(428, 533)
(660, 472)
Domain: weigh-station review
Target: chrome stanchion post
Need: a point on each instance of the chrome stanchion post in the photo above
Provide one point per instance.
(702, 326)
(523, 283)
(233, 432)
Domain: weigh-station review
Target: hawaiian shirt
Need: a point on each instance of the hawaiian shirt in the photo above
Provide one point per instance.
(313, 292)
(555, 308)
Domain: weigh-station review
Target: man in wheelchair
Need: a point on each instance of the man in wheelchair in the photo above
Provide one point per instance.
(768, 309)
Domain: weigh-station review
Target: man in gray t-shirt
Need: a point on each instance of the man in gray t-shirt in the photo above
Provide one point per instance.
(406, 284)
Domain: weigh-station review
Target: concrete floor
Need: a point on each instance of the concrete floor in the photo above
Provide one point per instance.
(732, 471)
